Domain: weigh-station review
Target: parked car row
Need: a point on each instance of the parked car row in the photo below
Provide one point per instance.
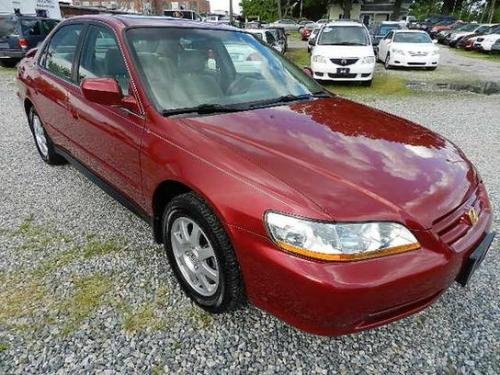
(470, 36)
(345, 51)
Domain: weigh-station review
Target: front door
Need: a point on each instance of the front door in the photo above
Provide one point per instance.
(108, 138)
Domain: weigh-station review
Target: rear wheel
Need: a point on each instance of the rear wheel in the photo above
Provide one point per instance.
(43, 142)
(201, 255)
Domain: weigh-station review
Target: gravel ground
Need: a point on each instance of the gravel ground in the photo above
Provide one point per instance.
(84, 289)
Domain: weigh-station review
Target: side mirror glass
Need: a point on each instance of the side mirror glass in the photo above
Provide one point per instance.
(312, 41)
(104, 91)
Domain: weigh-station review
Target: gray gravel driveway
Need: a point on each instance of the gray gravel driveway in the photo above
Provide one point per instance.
(84, 289)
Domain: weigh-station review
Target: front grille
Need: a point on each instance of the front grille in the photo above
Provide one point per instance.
(416, 63)
(454, 226)
(345, 61)
(349, 75)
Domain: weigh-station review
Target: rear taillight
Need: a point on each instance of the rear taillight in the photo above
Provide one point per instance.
(23, 43)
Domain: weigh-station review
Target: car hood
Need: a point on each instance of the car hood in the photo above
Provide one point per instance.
(343, 51)
(354, 162)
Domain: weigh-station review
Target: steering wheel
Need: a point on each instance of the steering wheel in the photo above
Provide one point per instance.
(234, 85)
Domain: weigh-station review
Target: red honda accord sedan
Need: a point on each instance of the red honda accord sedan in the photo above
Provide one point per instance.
(261, 185)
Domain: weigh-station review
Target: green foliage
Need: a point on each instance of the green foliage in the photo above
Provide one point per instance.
(265, 9)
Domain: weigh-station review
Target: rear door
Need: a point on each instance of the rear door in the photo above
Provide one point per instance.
(54, 80)
(107, 138)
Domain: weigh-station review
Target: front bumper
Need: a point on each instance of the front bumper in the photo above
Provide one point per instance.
(414, 61)
(336, 298)
(329, 71)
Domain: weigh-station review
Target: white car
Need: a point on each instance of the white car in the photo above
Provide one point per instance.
(268, 37)
(485, 42)
(287, 24)
(342, 51)
(410, 48)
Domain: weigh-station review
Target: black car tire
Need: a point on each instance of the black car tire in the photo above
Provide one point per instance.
(230, 293)
(51, 157)
(386, 62)
(367, 83)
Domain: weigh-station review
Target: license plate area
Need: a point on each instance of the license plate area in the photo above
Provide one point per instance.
(474, 260)
(343, 70)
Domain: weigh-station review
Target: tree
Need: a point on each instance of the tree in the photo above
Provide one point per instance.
(346, 8)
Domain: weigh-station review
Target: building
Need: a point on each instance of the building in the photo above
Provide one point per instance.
(368, 11)
(146, 6)
(199, 6)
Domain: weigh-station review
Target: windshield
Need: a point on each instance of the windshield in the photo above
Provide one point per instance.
(384, 29)
(344, 36)
(187, 68)
(412, 38)
(7, 26)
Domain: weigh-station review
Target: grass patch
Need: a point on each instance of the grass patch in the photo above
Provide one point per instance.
(4, 347)
(383, 85)
(200, 318)
(37, 237)
(89, 293)
(95, 247)
(478, 55)
(299, 56)
(143, 318)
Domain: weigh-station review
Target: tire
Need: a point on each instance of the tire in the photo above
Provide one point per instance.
(367, 83)
(8, 63)
(387, 66)
(43, 143)
(214, 294)
(432, 68)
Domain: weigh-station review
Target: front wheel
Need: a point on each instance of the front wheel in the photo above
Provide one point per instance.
(366, 83)
(387, 64)
(201, 255)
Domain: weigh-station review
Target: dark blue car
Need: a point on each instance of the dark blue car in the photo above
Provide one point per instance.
(18, 34)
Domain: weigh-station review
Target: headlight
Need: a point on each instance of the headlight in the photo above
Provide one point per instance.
(340, 241)
(368, 60)
(397, 51)
(319, 59)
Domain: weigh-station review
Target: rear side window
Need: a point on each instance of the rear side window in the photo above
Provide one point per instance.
(7, 26)
(30, 27)
(61, 51)
(102, 58)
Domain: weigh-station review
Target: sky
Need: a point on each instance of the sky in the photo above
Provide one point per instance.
(224, 5)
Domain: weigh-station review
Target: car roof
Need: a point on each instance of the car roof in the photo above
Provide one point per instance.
(409, 31)
(154, 21)
(254, 31)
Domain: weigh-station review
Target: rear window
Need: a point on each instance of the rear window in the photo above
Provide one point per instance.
(7, 26)
(384, 29)
(48, 25)
(30, 27)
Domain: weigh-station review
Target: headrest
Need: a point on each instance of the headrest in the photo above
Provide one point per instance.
(193, 61)
(114, 63)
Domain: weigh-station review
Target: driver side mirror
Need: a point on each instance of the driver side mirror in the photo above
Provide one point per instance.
(31, 53)
(434, 41)
(312, 42)
(106, 91)
(308, 71)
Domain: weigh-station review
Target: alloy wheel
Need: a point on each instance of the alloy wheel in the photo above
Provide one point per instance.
(195, 256)
(40, 138)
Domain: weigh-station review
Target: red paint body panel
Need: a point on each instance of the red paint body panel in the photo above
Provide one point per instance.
(326, 159)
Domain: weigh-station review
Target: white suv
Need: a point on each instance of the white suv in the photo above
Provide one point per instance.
(342, 51)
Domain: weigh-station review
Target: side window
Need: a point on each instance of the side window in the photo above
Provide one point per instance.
(389, 35)
(270, 38)
(61, 51)
(102, 58)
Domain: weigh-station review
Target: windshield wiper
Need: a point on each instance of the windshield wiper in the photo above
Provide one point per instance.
(344, 44)
(203, 109)
(290, 98)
